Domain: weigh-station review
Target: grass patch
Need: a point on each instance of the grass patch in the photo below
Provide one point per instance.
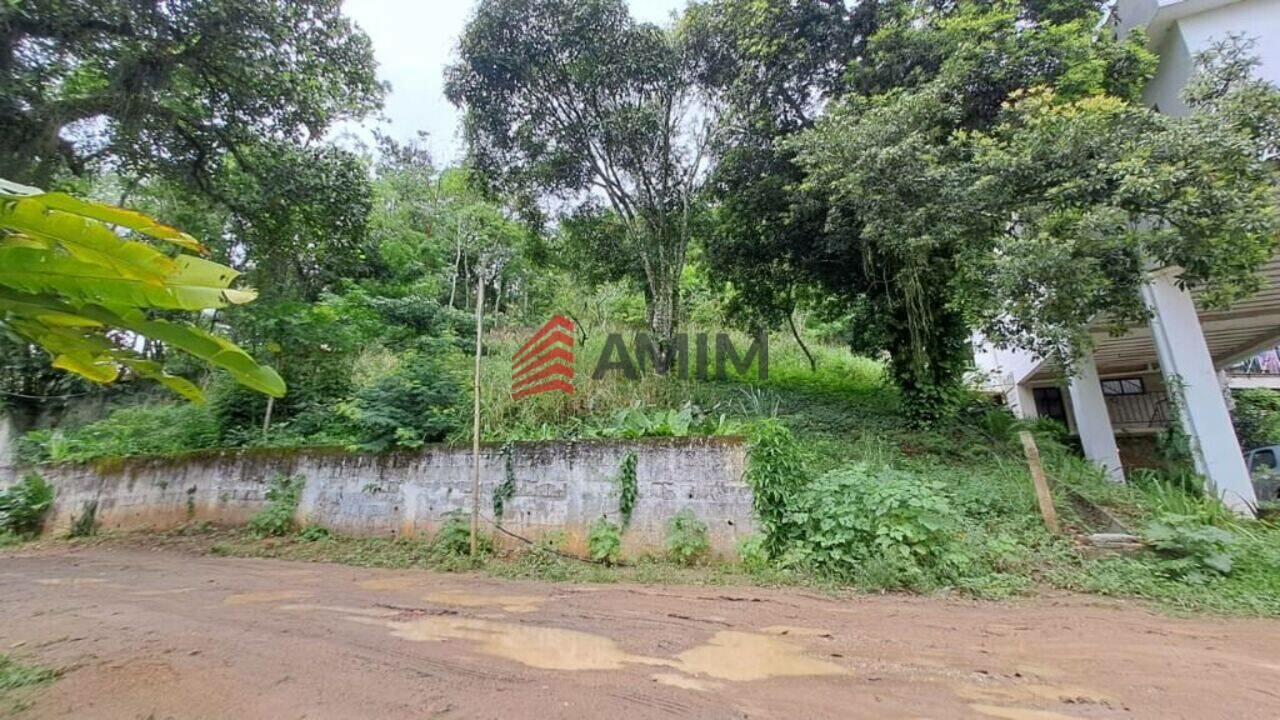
(526, 563)
(18, 681)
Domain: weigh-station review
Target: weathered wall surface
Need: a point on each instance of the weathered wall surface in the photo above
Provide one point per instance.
(559, 486)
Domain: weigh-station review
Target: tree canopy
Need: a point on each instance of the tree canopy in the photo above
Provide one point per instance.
(173, 88)
(864, 190)
(577, 102)
(230, 99)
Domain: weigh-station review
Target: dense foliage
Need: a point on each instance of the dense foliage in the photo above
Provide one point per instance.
(416, 404)
(227, 101)
(853, 517)
(776, 472)
(160, 429)
(577, 99)
(23, 507)
(1257, 417)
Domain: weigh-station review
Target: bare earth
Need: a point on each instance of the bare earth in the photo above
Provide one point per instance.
(166, 634)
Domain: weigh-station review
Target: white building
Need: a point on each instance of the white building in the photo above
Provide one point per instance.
(1123, 390)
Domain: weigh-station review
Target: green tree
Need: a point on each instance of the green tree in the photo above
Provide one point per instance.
(869, 201)
(175, 87)
(576, 101)
(772, 66)
(1102, 192)
(229, 98)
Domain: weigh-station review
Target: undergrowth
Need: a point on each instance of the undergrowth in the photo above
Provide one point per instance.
(277, 517)
(687, 540)
(24, 506)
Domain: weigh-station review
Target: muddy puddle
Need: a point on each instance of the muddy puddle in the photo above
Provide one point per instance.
(684, 682)
(267, 596)
(508, 603)
(727, 656)
(390, 583)
(796, 631)
(1030, 692)
(547, 648)
(70, 581)
(1013, 713)
(984, 697)
(741, 656)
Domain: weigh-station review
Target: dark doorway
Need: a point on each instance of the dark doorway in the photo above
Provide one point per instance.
(1049, 404)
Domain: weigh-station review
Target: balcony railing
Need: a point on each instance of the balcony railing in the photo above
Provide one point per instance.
(1149, 410)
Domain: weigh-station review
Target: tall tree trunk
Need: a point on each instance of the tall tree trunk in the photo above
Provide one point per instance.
(457, 262)
(664, 313)
(791, 320)
(663, 256)
(466, 272)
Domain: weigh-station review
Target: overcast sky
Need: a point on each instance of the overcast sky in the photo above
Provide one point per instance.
(414, 40)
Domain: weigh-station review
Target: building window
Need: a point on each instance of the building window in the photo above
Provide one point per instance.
(1123, 386)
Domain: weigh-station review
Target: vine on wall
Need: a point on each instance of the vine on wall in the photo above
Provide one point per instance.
(506, 490)
(628, 490)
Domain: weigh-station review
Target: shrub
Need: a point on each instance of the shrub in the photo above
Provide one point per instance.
(752, 553)
(277, 518)
(453, 541)
(24, 506)
(39, 446)
(604, 542)
(314, 533)
(416, 404)
(637, 422)
(1257, 417)
(776, 474)
(687, 540)
(1193, 551)
(854, 517)
(140, 430)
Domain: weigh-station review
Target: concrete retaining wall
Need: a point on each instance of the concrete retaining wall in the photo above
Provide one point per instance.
(559, 486)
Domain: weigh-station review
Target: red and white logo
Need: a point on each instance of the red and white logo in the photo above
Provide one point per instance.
(545, 362)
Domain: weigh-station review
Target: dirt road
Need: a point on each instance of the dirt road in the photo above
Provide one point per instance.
(165, 634)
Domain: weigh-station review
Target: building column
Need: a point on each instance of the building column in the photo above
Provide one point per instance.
(1023, 401)
(1196, 395)
(1093, 421)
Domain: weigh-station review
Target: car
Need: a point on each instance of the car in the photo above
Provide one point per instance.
(1262, 468)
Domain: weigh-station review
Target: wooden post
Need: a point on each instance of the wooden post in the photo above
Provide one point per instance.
(266, 419)
(1043, 496)
(475, 426)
